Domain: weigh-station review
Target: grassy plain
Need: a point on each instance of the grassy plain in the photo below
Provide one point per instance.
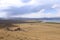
(32, 31)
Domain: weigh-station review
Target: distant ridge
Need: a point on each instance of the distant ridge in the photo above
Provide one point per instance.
(57, 18)
(22, 20)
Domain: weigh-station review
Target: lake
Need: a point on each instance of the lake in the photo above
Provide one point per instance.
(57, 21)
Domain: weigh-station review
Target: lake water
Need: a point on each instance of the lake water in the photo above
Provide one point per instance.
(57, 21)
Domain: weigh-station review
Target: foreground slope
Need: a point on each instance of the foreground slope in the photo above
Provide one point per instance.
(32, 31)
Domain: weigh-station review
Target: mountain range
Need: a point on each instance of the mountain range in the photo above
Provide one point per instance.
(15, 18)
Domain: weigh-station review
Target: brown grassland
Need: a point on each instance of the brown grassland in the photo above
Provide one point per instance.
(32, 31)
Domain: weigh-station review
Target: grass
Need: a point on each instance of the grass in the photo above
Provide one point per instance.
(33, 31)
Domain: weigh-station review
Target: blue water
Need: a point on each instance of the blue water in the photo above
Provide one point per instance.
(57, 21)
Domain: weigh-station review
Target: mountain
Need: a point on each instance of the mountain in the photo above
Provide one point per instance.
(15, 18)
(20, 20)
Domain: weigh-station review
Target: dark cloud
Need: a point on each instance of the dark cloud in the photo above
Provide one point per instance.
(27, 9)
(22, 10)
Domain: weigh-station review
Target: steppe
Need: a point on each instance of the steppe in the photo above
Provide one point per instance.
(31, 31)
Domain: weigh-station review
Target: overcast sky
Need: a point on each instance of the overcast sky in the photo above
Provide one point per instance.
(29, 8)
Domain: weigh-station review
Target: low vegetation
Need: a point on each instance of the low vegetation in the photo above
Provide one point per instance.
(30, 31)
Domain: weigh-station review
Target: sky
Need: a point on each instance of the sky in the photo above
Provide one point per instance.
(29, 8)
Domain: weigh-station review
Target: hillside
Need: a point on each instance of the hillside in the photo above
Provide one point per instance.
(31, 31)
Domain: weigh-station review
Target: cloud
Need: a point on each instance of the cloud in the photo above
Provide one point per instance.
(22, 10)
(3, 14)
(32, 15)
(30, 8)
(25, 1)
(8, 3)
(39, 14)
